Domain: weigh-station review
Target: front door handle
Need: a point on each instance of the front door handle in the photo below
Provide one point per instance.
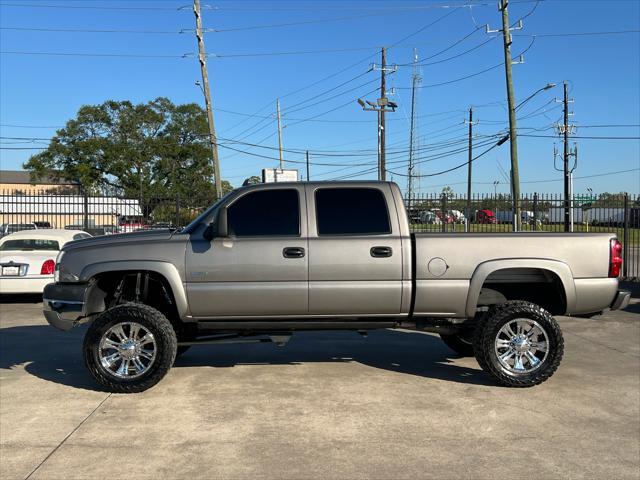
(293, 252)
(381, 252)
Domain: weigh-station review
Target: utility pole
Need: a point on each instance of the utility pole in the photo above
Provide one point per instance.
(513, 141)
(415, 80)
(382, 126)
(279, 134)
(565, 130)
(470, 165)
(565, 160)
(567, 172)
(202, 58)
(382, 105)
(307, 165)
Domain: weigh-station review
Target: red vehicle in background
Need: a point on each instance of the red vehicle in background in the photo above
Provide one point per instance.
(445, 217)
(485, 216)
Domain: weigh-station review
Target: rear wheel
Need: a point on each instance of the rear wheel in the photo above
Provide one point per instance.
(519, 343)
(129, 348)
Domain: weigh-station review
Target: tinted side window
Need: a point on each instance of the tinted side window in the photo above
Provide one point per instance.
(351, 211)
(265, 213)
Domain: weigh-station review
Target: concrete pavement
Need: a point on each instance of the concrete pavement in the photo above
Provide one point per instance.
(328, 405)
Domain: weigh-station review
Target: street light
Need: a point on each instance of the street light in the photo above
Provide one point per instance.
(197, 82)
(548, 86)
(382, 104)
(495, 187)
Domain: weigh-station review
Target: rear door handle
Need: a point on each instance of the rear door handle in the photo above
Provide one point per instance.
(381, 252)
(293, 252)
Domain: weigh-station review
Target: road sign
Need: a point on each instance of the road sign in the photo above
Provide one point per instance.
(270, 175)
(579, 200)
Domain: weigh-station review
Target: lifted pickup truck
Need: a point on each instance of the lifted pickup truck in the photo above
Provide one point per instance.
(267, 260)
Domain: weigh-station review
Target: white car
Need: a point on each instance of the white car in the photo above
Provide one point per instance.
(28, 258)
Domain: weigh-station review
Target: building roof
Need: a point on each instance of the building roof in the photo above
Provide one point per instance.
(24, 177)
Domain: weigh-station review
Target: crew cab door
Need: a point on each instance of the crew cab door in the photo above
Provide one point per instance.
(355, 251)
(261, 268)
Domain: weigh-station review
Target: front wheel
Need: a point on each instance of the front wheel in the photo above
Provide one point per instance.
(519, 343)
(129, 348)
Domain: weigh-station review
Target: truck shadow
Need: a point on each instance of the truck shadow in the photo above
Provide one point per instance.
(57, 356)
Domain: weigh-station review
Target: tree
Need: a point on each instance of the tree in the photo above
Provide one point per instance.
(447, 192)
(253, 180)
(149, 150)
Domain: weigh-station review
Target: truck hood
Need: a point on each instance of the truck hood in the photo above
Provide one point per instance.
(133, 237)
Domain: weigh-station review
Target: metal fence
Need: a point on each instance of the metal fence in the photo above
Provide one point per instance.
(104, 214)
(96, 214)
(617, 213)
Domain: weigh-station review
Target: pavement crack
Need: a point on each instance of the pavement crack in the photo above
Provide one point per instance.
(67, 437)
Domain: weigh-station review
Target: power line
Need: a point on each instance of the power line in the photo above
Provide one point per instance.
(575, 34)
(339, 72)
(582, 137)
(81, 54)
(493, 67)
(585, 176)
(89, 30)
(461, 54)
(604, 174)
(299, 7)
(609, 126)
(86, 7)
(29, 126)
(452, 168)
(292, 24)
(292, 108)
(301, 89)
(422, 29)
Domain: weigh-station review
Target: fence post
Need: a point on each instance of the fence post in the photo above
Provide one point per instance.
(85, 205)
(535, 211)
(625, 241)
(177, 219)
(443, 212)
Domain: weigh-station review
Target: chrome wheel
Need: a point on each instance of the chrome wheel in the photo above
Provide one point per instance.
(521, 345)
(127, 350)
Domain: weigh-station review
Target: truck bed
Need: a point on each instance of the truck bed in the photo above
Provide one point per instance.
(450, 270)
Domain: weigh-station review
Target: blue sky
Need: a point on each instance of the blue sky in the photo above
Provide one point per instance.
(603, 71)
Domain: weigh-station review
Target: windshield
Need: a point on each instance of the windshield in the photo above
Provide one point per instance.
(29, 244)
(208, 212)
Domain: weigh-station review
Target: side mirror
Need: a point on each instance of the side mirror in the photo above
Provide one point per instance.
(217, 228)
(222, 228)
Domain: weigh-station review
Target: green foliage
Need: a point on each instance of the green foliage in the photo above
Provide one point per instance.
(253, 180)
(150, 150)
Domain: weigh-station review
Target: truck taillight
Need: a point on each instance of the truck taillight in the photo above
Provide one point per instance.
(615, 258)
(48, 267)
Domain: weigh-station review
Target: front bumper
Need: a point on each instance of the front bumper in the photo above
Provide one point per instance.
(621, 300)
(63, 305)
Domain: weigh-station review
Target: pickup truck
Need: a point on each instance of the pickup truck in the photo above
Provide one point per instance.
(267, 260)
